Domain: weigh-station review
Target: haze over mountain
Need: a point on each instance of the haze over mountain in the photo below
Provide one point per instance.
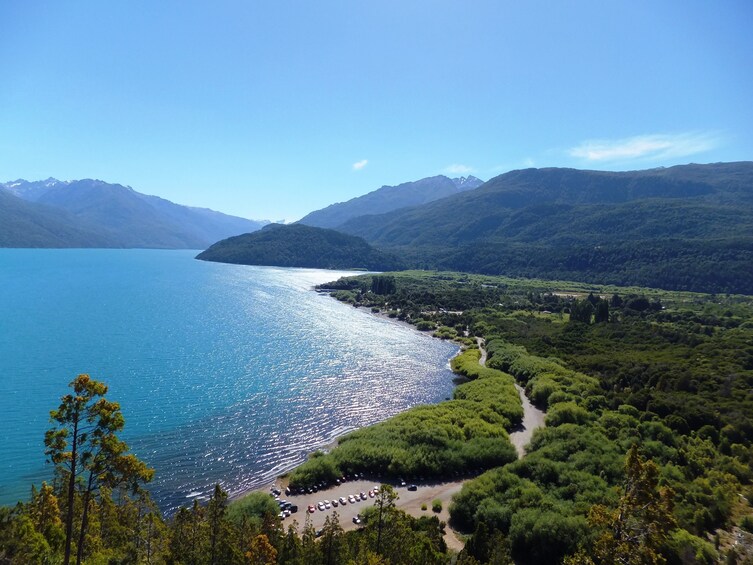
(389, 198)
(93, 213)
(299, 245)
(684, 227)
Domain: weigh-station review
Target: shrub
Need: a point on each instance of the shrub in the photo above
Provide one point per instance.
(252, 507)
(436, 505)
(747, 523)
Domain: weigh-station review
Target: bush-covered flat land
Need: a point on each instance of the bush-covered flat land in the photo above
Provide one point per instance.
(646, 457)
(668, 372)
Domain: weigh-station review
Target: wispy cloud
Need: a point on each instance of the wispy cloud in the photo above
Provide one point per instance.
(645, 147)
(458, 169)
(358, 165)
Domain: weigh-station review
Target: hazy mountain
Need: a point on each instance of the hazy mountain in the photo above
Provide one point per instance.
(389, 198)
(297, 245)
(26, 224)
(118, 216)
(688, 227)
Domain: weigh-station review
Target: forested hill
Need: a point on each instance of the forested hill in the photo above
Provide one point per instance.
(297, 245)
(388, 198)
(687, 227)
(93, 213)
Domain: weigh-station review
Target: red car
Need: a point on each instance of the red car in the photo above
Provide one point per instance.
(311, 509)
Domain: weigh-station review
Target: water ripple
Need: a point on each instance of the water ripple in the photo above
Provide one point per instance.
(226, 374)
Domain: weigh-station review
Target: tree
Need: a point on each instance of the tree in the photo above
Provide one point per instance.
(385, 501)
(87, 453)
(220, 529)
(634, 532)
(581, 311)
(261, 551)
(602, 311)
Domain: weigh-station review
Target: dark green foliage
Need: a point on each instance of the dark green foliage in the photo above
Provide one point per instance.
(581, 311)
(383, 284)
(299, 246)
(684, 227)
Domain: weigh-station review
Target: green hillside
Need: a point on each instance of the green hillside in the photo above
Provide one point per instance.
(297, 245)
(685, 227)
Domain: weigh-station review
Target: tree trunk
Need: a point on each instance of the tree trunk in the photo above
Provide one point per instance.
(84, 517)
(71, 493)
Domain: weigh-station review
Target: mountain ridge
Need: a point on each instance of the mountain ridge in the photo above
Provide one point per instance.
(113, 215)
(388, 198)
(663, 227)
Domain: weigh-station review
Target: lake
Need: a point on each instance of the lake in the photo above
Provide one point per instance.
(225, 373)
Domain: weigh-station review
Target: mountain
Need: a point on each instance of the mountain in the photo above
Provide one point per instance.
(114, 216)
(297, 245)
(389, 198)
(687, 227)
(25, 224)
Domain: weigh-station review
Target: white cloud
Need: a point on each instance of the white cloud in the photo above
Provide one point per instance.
(458, 169)
(528, 163)
(645, 147)
(358, 165)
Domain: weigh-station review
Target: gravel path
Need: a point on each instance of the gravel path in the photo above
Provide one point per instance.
(532, 418)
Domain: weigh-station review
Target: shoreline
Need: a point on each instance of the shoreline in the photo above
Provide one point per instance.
(279, 476)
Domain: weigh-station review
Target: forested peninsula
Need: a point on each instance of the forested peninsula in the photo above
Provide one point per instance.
(646, 456)
(298, 245)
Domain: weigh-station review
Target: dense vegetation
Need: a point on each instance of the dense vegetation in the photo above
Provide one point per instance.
(458, 436)
(681, 228)
(297, 245)
(647, 454)
(667, 373)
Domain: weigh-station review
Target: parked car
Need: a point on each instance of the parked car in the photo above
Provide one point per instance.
(311, 509)
(412, 487)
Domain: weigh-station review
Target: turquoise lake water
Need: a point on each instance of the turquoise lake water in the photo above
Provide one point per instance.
(224, 373)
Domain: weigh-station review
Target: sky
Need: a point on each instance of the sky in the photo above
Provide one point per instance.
(272, 109)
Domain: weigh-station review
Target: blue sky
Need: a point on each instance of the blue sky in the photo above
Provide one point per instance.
(274, 109)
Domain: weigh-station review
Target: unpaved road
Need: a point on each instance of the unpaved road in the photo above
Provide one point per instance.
(532, 418)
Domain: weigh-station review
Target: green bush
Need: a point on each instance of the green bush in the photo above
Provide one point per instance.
(746, 523)
(436, 505)
(252, 508)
